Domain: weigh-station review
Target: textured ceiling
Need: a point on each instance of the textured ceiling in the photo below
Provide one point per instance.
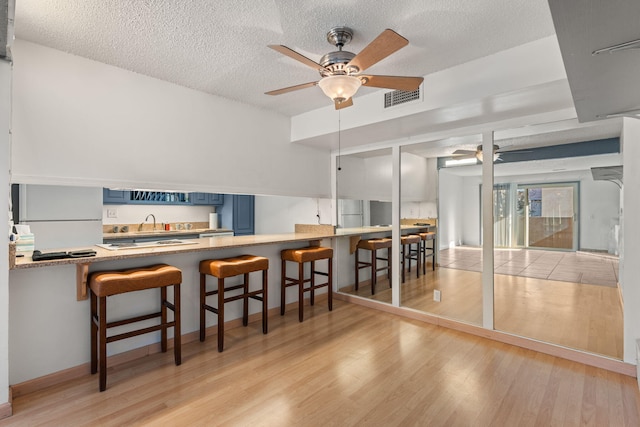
(220, 46)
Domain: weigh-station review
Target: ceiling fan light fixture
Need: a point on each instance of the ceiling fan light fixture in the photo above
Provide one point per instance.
(340, 88)
(496, 155)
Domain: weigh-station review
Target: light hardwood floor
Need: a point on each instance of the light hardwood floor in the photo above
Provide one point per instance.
(576, 315)
(352, 366)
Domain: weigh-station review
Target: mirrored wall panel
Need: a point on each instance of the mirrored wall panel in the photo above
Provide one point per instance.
(364, 185)
(557, 205)
(440, 186)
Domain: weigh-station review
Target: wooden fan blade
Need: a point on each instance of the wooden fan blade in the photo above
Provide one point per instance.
(297, 56)
(290, 88)
(382, 46)
(344, 104)
(463, 153)
(393, 82)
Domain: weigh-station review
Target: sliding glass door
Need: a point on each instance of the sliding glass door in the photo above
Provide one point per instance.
(536, 215)
(547, 216)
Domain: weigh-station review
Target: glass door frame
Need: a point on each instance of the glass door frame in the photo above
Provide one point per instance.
(575, 185)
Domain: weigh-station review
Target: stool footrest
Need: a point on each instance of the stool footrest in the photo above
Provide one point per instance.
(133, 320)
(139, 332)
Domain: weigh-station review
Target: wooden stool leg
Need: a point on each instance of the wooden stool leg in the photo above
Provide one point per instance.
(312, 279)
(283, 287)
(418, 260)
(94, 333)
(102, 330)
(389, 265)
(330, 285)
(245, 301)
(357, 268)
(265, 303)
(403, 261)
(374, 267)
(220, 315)
(177, 332)
(163, 319)
(203, 301)
(300, 291)
(433, 255)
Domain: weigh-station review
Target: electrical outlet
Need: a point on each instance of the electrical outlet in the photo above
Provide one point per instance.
(436, 295)
(112, 213)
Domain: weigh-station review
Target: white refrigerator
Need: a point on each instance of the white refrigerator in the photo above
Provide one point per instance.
(61, 216)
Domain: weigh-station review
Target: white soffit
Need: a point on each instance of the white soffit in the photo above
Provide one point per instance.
(605, 83)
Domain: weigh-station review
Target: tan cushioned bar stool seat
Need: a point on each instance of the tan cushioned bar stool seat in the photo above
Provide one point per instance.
(229, 267)
(430, 235)
(307, 254)
(301, 256)
(375, 244)
(136, 279)
(224, 268)
(408, 240)
(426, 251)
(104, 284)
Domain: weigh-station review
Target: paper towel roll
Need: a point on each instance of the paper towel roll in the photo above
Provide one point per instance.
(213, 221)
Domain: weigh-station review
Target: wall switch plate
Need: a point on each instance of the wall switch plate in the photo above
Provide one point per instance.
(112, 213)
(436, 295)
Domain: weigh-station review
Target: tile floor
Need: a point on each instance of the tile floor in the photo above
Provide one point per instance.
(577, 267)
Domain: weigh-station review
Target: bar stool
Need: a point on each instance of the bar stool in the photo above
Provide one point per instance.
(374, 245)
(427, 252)
(107, 283)
(301, 256)
(408, 253)
(223, 269)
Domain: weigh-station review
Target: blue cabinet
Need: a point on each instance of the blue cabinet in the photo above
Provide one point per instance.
(244, 215)
(140, 197)
(200, 198)
(213, 199)
(119, 197)
(216, 199)
(238, 214)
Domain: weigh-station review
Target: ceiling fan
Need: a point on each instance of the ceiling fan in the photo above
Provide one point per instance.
(477, 153)
(340, 70)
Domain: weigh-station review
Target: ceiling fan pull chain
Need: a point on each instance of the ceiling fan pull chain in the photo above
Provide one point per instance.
(339, 168)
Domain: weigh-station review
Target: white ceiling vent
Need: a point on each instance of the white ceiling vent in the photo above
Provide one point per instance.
(398, 97)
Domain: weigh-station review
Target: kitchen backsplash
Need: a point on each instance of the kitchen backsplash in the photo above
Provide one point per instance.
(136, 214)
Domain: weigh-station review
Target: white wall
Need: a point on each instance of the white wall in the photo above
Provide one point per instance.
(80, 122)
(414, 179)
(630, 243)
(5, 143)
(599, 213)
(274, 215)
(369, 178)
(450, 209)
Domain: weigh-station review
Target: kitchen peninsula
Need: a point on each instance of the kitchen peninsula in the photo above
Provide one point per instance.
(46, 292)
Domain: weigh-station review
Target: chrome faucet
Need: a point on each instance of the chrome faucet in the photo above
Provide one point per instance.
(147, 219)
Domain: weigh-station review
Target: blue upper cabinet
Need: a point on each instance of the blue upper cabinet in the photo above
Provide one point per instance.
(214, 199)
(119, 197)
(243, 215)
(140, 197)
(200, 198)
